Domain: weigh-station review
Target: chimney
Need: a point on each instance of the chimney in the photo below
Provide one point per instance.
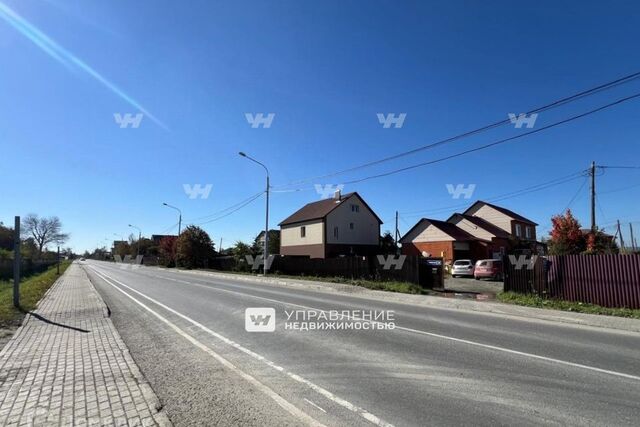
(337, 195)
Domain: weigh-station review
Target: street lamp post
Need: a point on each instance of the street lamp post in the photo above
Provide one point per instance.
(179, 217)
(265, 256)
(139, 237)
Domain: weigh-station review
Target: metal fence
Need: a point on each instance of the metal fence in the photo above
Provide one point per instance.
(605, 280)
(27, 267)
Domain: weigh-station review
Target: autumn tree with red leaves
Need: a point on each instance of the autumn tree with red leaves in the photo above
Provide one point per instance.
(168, 248)
(566, 236)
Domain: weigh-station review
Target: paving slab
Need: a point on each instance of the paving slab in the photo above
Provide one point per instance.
(67, 365)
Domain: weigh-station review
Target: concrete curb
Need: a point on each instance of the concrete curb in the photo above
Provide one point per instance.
(479, 304)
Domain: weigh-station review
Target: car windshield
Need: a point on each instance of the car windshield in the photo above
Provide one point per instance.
(463, 263)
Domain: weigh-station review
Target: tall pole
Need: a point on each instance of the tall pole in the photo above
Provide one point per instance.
(265, 255)
(16, 263)
(266, 230)
(179, 216)
(621, 239)
(58, 263)
(633, 242)
(593, 197)
(395, 235)
(139, 237)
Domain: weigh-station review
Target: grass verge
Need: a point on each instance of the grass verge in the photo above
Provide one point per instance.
(389, 286)
(31, 291)
(555, 304)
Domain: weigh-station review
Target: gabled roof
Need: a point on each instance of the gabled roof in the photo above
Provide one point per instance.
(505, 211)
(484, 224)
(322, 208)
(446, 227)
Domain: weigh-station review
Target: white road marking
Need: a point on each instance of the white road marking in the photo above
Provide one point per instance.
(260, 386)
(327, 394)
(313, 404)
(431, 334)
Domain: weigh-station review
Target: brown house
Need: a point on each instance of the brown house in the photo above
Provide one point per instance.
(342, 225)
(482, 231)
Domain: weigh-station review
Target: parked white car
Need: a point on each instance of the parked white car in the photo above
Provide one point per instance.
(462, 267)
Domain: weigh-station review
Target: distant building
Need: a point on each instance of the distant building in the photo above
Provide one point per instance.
(157, 237)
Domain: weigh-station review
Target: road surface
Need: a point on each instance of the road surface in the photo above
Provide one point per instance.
(435, 367)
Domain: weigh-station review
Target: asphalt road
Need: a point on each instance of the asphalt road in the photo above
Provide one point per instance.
(436, 367)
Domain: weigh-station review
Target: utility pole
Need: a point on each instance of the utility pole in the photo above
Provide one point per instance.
(16, 263)
(621, 239)
(58, 263)
(395, 235)
(633, 242)
(220, 247)
(593, 197)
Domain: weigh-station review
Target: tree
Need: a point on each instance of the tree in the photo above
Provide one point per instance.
(240, 251)
(44, 231)
(167, 250)
(566, 237)
(122, 249)
(6, 237)
(387, 243)
(274, 243)
(194, 248)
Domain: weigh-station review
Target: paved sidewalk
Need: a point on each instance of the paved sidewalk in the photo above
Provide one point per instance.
(67, 365)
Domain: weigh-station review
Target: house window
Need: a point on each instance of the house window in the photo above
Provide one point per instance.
(527, 231)
(355, 208)
(518, 230)
(303, 231)
(335, 232)
(351, 226)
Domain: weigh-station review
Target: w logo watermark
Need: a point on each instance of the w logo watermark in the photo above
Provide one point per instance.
(128, 262)
(195, 190)
(255, 120)
(328, 190)
(128, 119)
(260, 319)
(522, 261)
(256, 262)
(389, 261)
(391, 119)
(460, 190)
(523, 119)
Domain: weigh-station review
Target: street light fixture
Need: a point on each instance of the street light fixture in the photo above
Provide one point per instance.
(266, 226)
(179, 217)
(139, 237)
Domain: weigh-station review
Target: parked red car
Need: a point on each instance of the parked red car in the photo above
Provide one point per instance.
(488, 269)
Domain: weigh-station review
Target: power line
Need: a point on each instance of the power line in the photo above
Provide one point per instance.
(226, 209)
(577, 193)
(501, 141)
(234, 210)
(505, 196)
(557, 103)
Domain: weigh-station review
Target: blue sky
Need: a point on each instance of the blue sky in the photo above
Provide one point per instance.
(325, 69)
